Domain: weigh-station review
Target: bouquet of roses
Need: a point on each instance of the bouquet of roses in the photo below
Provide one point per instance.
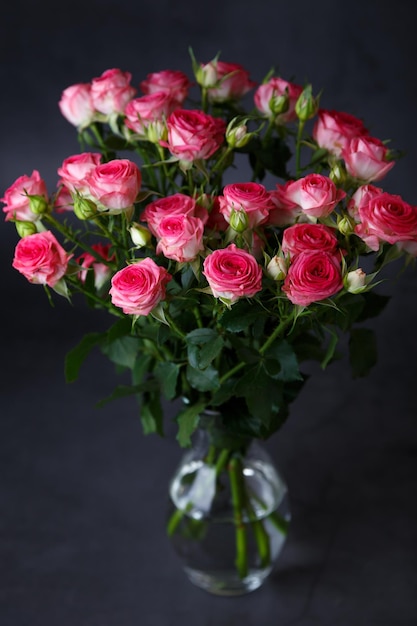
(219, 291)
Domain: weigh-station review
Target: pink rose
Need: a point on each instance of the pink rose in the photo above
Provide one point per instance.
(115, 184)
(111, 91)
(284, 210)
(180, 237)
(75, 168)
(334, 129)
(193, 134)
(315, 194)
(386, 217)
(63, 200)
(76, 105)
(301, 237)
(232, 273)
(16, 197)
(176, 204)
(366, 159)
(276, 100)
(101, 271)
(141, 112)
(41, 259)
(361, 197)
(252, 198)
(172, 82)
(231, 81)
(312, 276)
(138, 288)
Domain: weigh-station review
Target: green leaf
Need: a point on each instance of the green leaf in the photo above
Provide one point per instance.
(167, 376)
(201, 336)
(203, 380)
(76, 357)
(209, 352)
(263, 395)
(271, 155)
(224, 393)
(141, 368)
(240, 316)
(283, 353)
(204, 344)
(121, 328)
(151, 415)
(331, 348)
(374, 303)
(122, 391)
(350, 308)
(187, 422)
(123, 351)
(362, 351)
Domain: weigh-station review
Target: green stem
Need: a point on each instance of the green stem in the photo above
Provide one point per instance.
(197, 316)
(204, 100)
(68, 234)
(98, 137)
(276, 333)
(217, 165)
(165, 172)
(231, 372)
(174, 326)
(176, 518)
(238, 499)
(222, 460)
(148, 172)
(301, 124)
(279, 522)
(261, 536)
(278, 330)
(103, 303)
(107, 233)
(275, 518)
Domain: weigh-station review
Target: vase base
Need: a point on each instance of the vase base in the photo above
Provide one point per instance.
(222, 583)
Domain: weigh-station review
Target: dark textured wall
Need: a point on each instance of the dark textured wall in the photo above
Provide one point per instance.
(82, 492)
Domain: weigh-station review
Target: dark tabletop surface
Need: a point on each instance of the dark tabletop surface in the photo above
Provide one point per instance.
(82, 491)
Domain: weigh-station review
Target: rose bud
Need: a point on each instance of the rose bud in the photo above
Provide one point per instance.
(345, 225)
(25, 228)
(239, 220)
(84, 208)
(38, 205)
(140, 235)
(307, 105)
(237, 135)
(355, 281)
(277, 268)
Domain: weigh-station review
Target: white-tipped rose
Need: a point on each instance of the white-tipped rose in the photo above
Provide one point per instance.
(277, 268)
(237, 136)
(140, 235)
(207, 75)
(355, 281)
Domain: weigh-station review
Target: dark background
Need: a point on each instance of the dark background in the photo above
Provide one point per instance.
(82, 491)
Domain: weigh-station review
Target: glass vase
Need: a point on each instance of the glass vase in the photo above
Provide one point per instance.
(228, 515)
